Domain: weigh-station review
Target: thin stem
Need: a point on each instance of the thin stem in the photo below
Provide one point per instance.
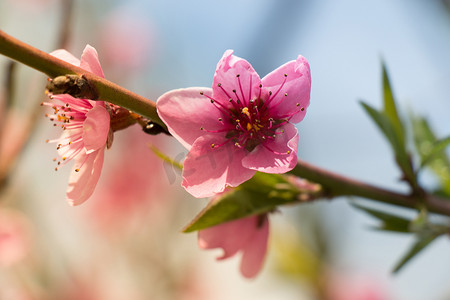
(54, 67)
(336, 185)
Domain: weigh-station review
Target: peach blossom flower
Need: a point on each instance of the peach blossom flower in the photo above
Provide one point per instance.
(248, 235)
(14, 237)
(242, 125)
(86, 126)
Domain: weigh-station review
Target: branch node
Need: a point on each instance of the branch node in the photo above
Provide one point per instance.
(74, 85)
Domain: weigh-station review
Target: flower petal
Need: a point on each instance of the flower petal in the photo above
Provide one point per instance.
(230, 236)
(268, 158)
(255, 249)
(95, 129)
(82, 184)
(90, 61)
(293, 99)
(185, 112)
(235, 73)
(207, 171)
(66, 56)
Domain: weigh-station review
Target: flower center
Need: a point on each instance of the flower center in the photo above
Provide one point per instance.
(70, 117)
(249, 122)
(253, 126)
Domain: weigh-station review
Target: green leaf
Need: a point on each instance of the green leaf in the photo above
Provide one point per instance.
(437, 149)
(261, 194)
(390, 110)
(418, 246)
(394, 137)
(389, 222)
(165, 158)
(432, 151)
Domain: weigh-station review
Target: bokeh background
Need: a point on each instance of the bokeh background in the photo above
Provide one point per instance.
(125, 242)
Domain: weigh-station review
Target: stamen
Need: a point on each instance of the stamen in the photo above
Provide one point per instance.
(214, 146)
(275, 152)
(276, 93)
(220, 106)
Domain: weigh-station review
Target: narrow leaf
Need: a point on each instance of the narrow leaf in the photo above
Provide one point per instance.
(390, 109)
(389, 222)
(165, 158)
(387, 128)
(418, 246)
(432, 151)
(261, 194)
(438, 149)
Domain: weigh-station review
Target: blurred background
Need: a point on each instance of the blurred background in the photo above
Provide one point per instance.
(126, 241)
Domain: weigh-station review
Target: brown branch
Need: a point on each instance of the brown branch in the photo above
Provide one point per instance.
(336, 185)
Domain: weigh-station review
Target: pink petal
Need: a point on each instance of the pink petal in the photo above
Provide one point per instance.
(255, 249)
(207, 171)
(82, 184)
(268, 158)
(185, 112)
(95, 129)
(231, 236)
(66, 56)
(90, 61)
(226, 76)
(297, 87)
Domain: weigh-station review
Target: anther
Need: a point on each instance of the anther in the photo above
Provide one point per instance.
(302, 109)
(285, 75)
(220, 119)
(219, 84)
(77, 170)
(285, 94)
(237, 75)
(213, 145)
(201, 93)
(270, 93)
(298, 104)
(212, 101)
(260, 85)
(234, 91)
(230, 100)
(201, 128)
(288, 152)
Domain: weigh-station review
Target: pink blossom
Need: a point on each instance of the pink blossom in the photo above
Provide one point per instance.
(86, 126)
(353, 286)
(242, 125)
(125, 197)
(248, 235)
(14, 237)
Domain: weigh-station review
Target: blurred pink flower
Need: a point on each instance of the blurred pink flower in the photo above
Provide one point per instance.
(14, 237)
(86, 126)
(126, 196)
(345, 286)
(115, 39)
(240, 126)
(248, 235)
